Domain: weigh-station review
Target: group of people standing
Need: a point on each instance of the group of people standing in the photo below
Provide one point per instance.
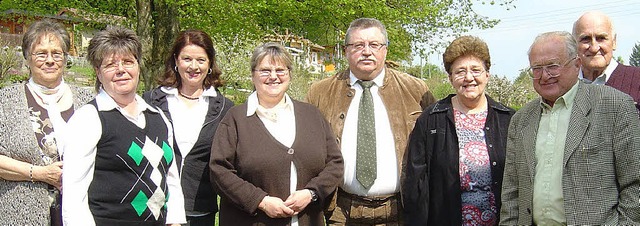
(371, 145)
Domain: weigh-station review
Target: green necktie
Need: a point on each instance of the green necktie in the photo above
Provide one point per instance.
(366, 146)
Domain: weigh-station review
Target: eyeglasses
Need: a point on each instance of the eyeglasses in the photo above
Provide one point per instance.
(552, 69)
(267, 72)
(110, 67)
(42, 56)
(462, 73)
(359, 46)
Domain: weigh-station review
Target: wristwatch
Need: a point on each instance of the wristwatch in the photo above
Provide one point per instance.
(314, 196)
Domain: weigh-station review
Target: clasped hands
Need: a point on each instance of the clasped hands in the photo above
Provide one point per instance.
(274, 207)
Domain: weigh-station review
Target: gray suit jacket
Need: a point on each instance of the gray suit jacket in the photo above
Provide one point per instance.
(601, 171)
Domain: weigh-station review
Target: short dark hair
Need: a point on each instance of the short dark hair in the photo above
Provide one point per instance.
(171, 78)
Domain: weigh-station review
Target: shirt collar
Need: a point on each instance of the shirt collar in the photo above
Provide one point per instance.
(208, 92)
(106, 103)
(378, 80)
(253, 103)
(565, 101)
(606, 74)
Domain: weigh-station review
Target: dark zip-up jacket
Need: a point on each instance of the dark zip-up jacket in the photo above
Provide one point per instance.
(196, 186)
(431, 190)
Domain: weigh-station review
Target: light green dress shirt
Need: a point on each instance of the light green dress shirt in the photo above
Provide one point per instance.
(548, 201)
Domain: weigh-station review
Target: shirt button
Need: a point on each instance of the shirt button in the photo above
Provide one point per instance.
(494, 163)
(290, 151)
(350, 94)
(341, 116)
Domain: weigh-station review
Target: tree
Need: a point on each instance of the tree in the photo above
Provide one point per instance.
(634, 59)
(412, 24)
(420, 25)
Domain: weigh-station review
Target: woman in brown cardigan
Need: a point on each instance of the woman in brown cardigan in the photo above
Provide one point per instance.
(274, 159)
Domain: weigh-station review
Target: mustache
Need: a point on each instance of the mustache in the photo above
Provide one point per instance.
(367, 58)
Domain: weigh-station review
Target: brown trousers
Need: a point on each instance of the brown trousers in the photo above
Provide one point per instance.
(354, 210)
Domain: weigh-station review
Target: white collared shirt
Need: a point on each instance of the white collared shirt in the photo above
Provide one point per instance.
(187, 121)
(604, 77)
(387, 179)
(280, 121)
(85, 130)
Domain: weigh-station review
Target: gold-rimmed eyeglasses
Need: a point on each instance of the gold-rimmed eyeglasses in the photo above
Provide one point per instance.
(42, 56)
(552, 69)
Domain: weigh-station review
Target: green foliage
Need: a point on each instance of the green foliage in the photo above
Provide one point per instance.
(513, 94)
(634, 59)
(324, 22)
(440, 86)
(413, 25)
(10, 59)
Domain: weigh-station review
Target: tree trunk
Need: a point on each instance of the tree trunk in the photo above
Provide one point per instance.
(157, 26)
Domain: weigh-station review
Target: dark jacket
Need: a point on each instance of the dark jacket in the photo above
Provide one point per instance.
(431, 190)
(196, 186)
(252, 164)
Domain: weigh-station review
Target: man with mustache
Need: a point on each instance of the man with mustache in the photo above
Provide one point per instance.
(372, 110)
(596, 42)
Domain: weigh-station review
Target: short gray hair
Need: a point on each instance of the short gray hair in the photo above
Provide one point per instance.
(41, 29)
(364, 23)
(274, 50)
(571, 47)
(113, 40)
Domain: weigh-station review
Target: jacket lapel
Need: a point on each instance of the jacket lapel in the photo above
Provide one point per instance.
(578, 123)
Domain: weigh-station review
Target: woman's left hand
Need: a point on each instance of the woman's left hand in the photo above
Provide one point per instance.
(298, 200)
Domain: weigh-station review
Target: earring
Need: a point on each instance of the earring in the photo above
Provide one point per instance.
(210, 71)
(175, 68)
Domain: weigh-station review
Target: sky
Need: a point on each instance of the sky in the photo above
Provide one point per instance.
(509, 41)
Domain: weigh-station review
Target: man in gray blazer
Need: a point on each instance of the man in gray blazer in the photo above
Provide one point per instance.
(573, 155)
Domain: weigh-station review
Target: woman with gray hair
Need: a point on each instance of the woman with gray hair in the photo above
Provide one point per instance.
(33, 117)
(120, 169)
(275, 159)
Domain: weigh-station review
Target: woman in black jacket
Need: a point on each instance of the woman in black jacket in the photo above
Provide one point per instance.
(457, 148)
(189, 97)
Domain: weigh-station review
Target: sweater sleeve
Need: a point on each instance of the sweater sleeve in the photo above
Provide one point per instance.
(224, 178)
(329, 178)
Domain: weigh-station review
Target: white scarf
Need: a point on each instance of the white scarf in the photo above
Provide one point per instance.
(50, 98)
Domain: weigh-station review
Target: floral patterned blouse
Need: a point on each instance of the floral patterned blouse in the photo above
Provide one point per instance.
(478, 199)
